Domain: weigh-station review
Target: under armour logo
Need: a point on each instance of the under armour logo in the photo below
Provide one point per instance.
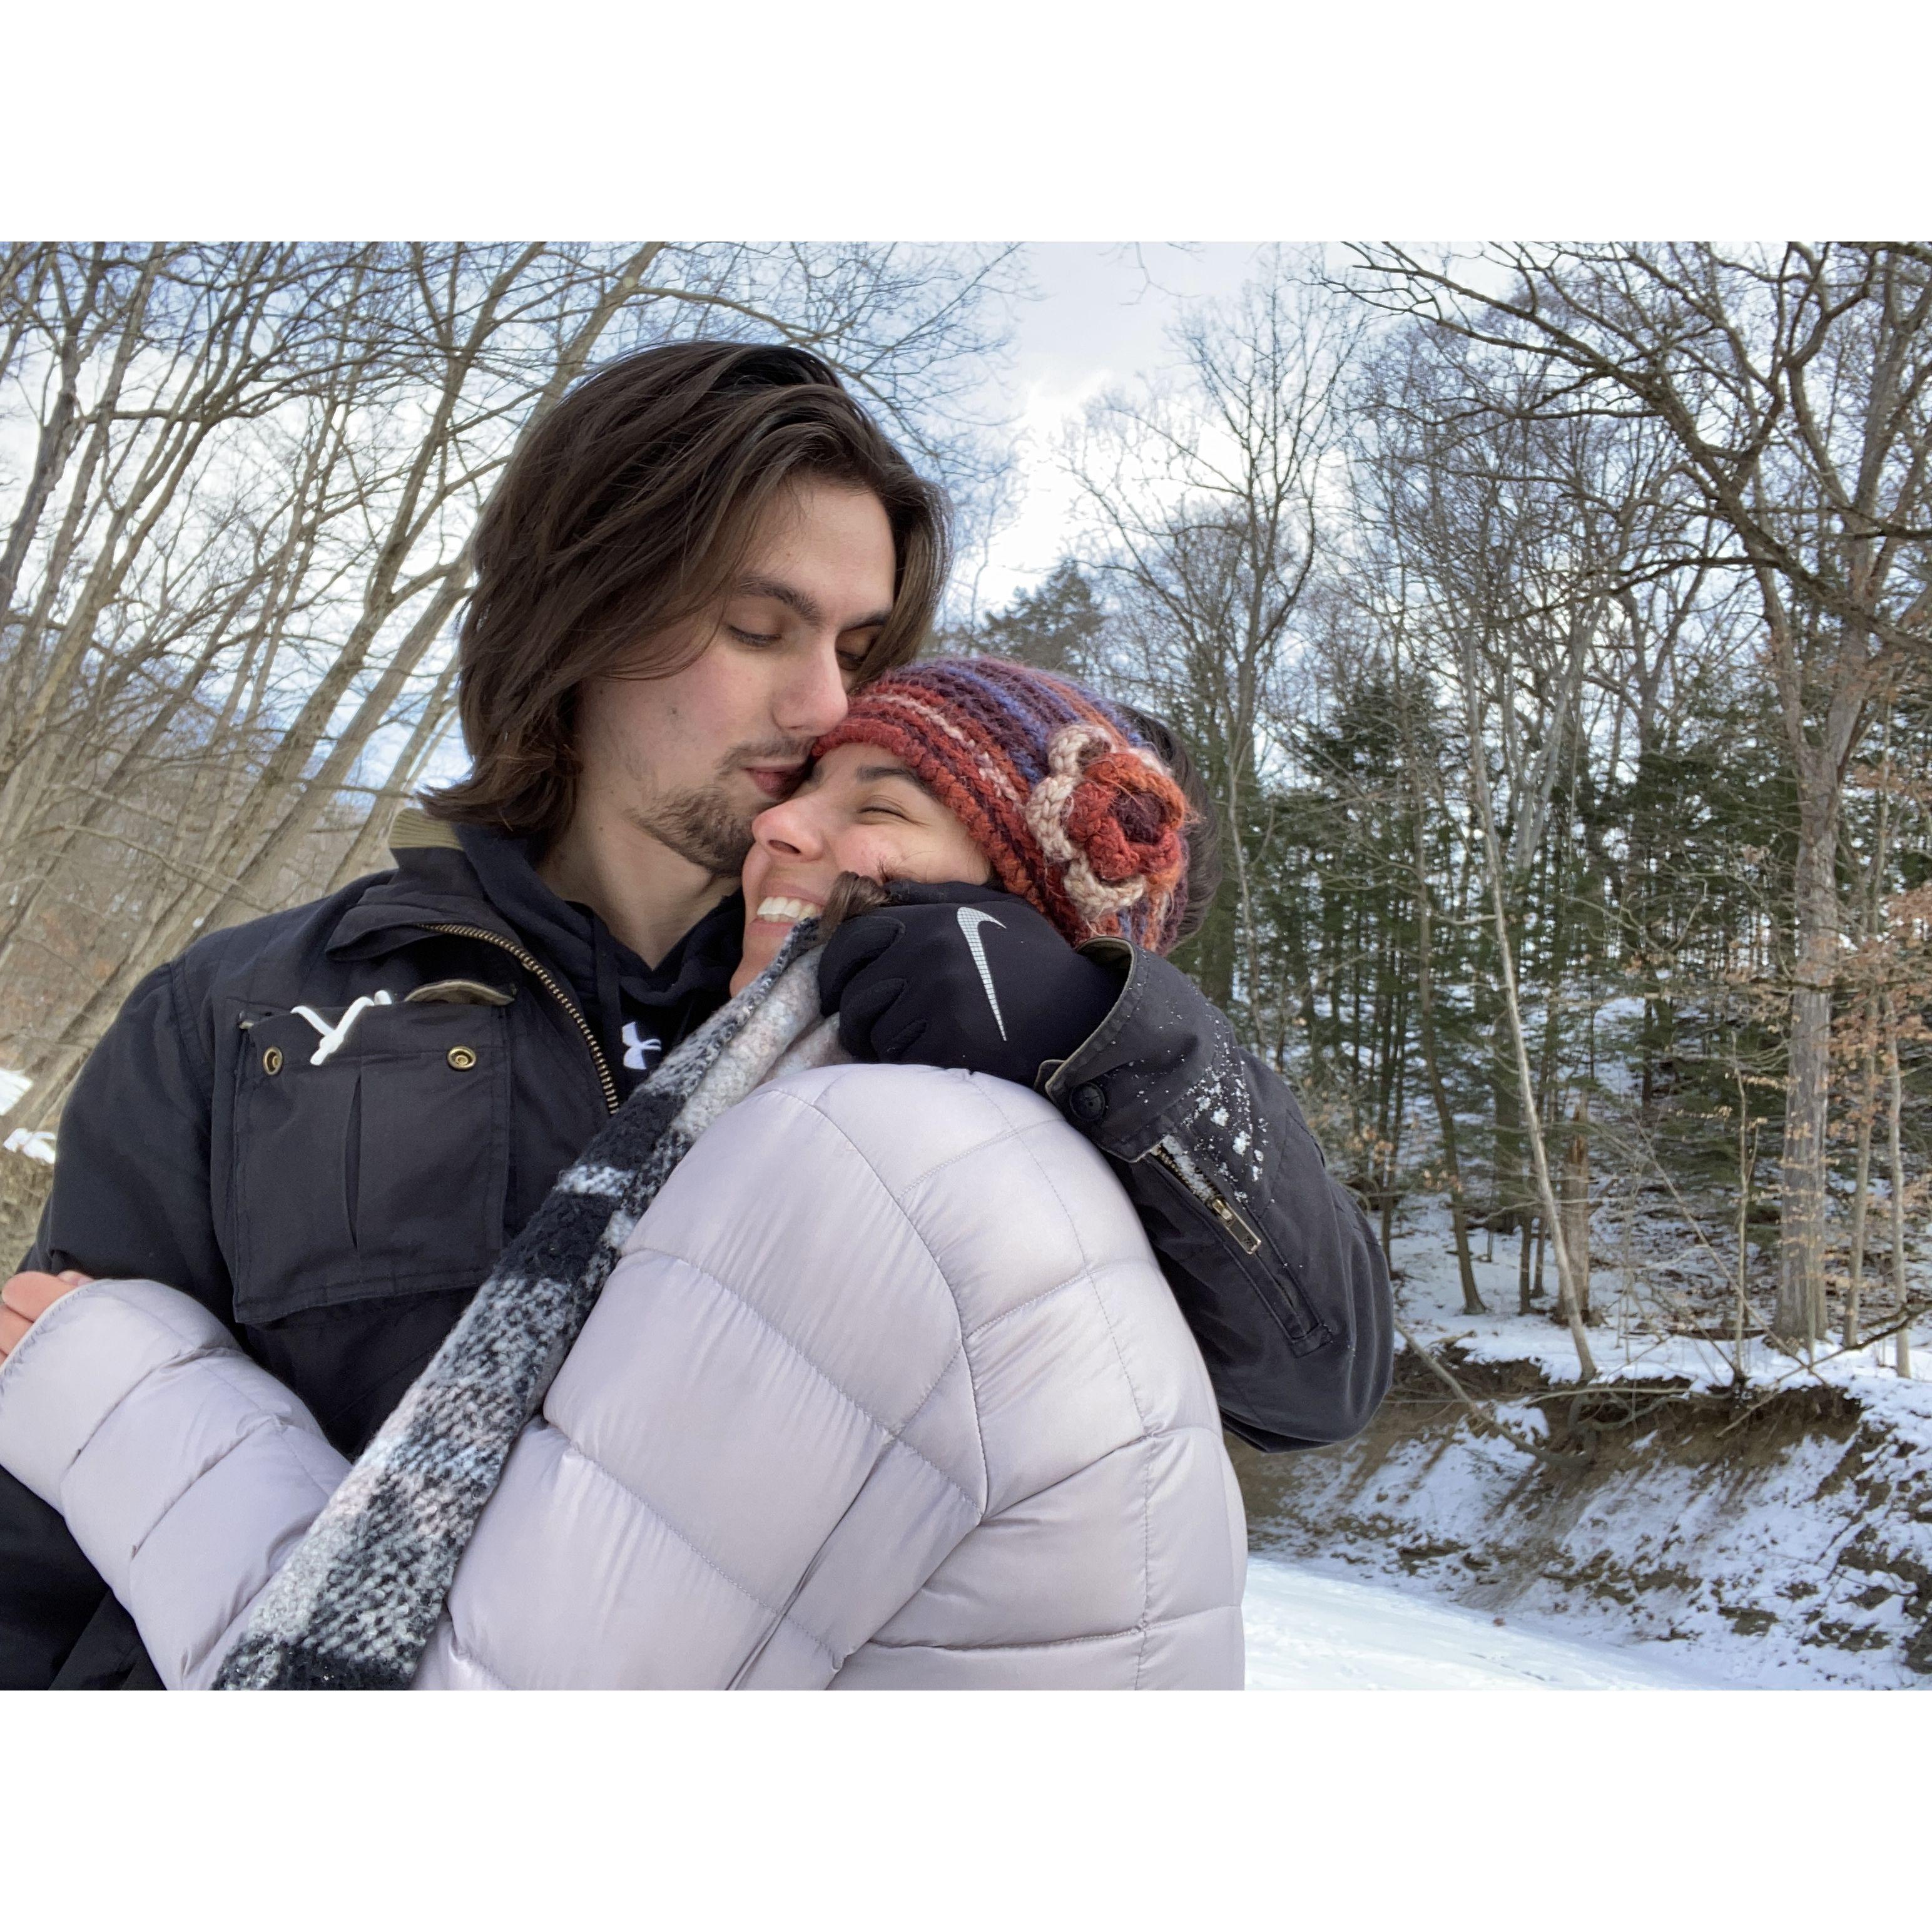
(970, 920)
(637, 1051)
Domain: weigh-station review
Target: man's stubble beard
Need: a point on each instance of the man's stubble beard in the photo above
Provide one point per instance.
(700, 825)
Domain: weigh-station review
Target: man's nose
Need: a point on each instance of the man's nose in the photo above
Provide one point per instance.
(814, 699)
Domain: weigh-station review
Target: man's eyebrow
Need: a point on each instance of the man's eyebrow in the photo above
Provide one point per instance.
(793, 599)
(871, 774)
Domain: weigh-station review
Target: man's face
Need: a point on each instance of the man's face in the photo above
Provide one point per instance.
(692, 758)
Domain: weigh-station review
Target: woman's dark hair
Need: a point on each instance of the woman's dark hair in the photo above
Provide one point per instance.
(625, 513)
(1204, 819)
(852, 894)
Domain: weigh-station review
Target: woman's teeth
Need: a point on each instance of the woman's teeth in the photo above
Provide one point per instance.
(789, 911)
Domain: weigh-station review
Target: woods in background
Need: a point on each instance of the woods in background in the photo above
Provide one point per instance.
(1553, 626)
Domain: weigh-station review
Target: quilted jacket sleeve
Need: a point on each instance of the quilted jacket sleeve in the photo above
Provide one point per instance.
(185, 1473)
(886, 1389)
(761, 1445)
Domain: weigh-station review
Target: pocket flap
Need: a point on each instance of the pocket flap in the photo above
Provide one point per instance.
(379, 1171)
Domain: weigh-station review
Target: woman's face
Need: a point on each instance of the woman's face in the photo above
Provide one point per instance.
(858, 811)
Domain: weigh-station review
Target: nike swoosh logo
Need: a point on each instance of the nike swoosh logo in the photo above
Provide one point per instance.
(970, 920)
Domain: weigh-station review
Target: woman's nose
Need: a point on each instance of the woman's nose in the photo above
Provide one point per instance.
(787, 830)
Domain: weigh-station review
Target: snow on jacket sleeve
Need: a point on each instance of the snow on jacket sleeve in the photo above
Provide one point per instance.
(186, 1473)
(1270, 1258)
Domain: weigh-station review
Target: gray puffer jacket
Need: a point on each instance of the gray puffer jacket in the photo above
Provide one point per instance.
(887, 1390)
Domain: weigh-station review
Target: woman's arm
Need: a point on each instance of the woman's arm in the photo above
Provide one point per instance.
(185, 1473)
(765, 1439)
(130, 1200)
(1270, 1257)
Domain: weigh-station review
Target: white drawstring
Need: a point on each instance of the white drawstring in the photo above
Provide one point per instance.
(332, 1036)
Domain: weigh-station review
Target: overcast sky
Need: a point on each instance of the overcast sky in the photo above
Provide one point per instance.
(1102, 310)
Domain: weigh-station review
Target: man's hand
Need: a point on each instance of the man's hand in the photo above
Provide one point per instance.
(962, 976)
(27, 1298)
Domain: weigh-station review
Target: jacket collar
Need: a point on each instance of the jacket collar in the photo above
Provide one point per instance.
(433, 884)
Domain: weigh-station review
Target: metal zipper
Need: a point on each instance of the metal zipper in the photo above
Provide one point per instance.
(536, 969)
(1229, 1216)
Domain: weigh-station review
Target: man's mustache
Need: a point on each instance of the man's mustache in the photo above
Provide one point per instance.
(776, 751)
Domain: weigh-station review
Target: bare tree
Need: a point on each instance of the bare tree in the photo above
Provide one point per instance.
(1797, 388)
(233, 561)
(1205, 504)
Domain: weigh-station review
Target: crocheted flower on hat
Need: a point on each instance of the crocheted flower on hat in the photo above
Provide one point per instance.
(1110, 813)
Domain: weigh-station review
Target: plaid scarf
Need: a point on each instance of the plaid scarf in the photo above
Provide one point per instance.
(355, 1604)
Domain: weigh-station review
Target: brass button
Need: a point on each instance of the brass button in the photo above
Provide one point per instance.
(272, 1060)
(463, 1058)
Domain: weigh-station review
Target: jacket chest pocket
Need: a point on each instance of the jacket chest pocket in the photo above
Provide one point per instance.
(379, 1171)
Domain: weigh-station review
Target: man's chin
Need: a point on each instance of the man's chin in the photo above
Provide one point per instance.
(710, 828)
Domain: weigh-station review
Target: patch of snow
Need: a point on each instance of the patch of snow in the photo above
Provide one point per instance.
(1781, 1574)
(1309, 1631)
(39, 1147)
(1797, 1566)
(1624, 1006)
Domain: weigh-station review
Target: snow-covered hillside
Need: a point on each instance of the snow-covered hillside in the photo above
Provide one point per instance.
(1775, 1533)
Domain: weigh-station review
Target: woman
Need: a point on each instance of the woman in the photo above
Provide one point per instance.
(868, 1376)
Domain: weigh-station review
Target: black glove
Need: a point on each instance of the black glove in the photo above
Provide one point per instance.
(962, 976)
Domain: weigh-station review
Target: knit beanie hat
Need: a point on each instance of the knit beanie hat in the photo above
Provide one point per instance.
(1078, 814)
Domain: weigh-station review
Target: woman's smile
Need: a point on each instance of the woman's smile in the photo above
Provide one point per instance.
(785, 911)
(858, 810)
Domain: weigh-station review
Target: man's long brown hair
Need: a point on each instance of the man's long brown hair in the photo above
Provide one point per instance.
(626, 513)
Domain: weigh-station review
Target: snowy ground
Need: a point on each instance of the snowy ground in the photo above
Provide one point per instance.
(1308, 1630)
(1796, 1558)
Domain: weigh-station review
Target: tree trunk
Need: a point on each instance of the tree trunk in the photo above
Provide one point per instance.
(1746, 1164)
(1799, 1319)
(1577, 1205)
(1425, 1004)
(1861, 1192)
(1513, 1011)
(1895, 1098)
(1445, 1120)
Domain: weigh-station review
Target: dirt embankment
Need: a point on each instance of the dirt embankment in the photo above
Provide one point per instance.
(1787, 1535)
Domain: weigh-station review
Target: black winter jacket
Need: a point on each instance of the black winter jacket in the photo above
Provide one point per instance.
(339, 1216)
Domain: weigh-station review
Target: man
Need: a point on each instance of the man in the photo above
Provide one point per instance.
(324, 1125)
